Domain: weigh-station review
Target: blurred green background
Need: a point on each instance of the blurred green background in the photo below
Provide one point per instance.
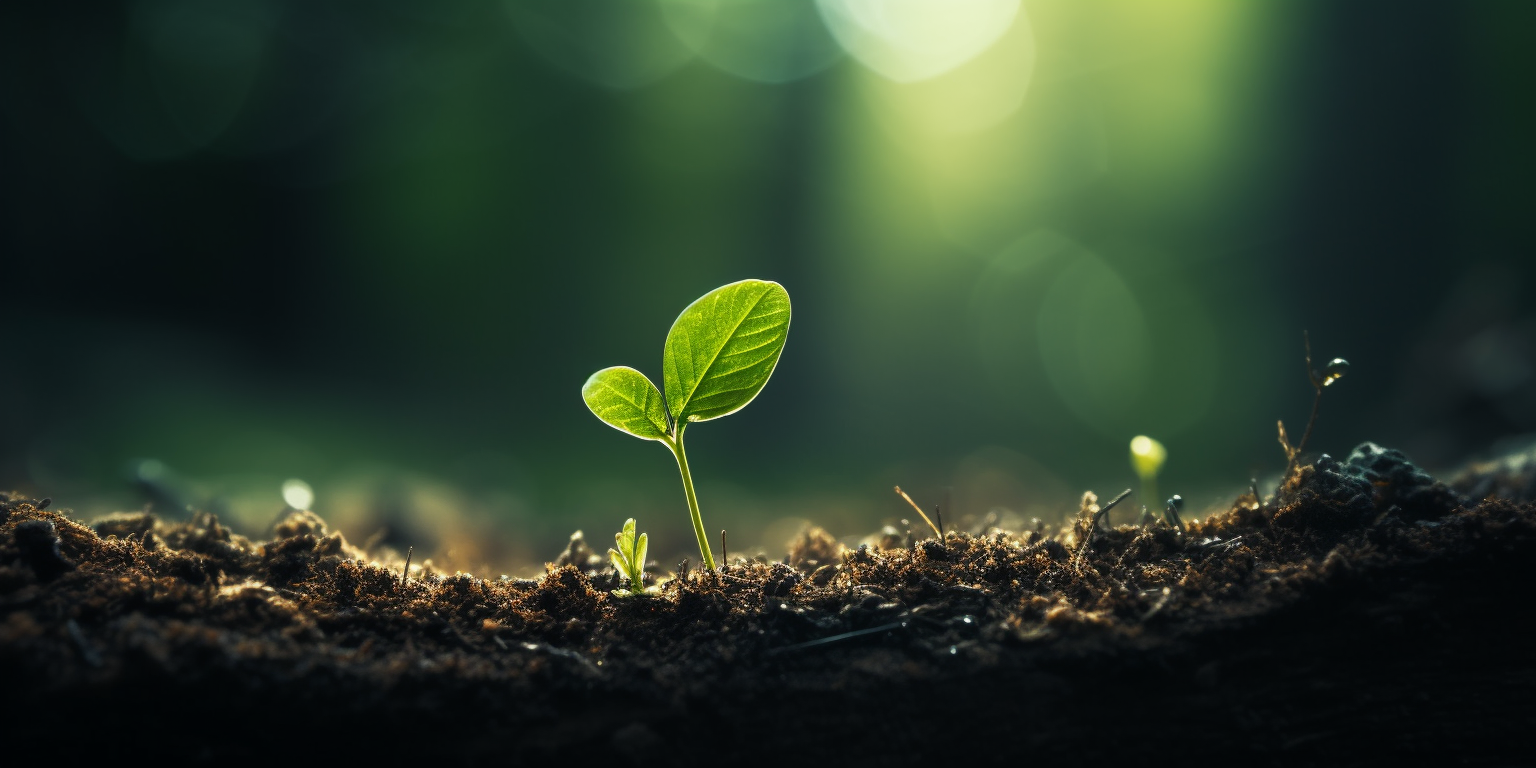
(380, 245)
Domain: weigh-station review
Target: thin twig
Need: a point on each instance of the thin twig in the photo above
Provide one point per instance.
(920, 511)
(836, 638)
(1171, 514)
(1161, 601)
(1093, 525)
(87, 653)
(405, 572)
(1104, 510)
(1317, 387)
(1317, 399)
(724, 553)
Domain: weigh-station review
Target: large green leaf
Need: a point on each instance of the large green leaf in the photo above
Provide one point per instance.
(723, 347)
(625, 399)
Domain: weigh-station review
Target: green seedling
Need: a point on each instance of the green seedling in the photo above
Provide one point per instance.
(718, 355)
(628, 556)
(1147, 457)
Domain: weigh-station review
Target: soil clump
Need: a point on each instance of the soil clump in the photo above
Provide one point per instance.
(1364, 614)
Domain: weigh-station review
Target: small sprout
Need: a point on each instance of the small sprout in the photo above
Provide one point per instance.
(1147, 457)
(718, 355)
(1171, 512)
(628, 556)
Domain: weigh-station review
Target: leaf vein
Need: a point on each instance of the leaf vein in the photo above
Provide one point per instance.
(687, 401)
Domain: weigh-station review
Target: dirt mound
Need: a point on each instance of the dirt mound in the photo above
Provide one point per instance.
(1363, 615)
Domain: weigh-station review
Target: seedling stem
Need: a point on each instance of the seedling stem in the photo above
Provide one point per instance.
(676, 444)
(718, 355)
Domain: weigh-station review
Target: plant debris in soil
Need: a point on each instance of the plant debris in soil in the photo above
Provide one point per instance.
(1362, 612)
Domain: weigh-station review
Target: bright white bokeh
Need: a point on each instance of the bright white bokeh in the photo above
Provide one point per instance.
(298, 494)
(913, 40)
(977, 95)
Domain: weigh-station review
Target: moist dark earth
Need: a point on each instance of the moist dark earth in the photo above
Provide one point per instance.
(1362, 614)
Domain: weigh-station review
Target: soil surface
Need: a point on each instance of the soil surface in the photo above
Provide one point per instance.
(1365, 614)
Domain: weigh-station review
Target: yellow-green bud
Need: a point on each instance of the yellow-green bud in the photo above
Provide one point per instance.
(1147, 456)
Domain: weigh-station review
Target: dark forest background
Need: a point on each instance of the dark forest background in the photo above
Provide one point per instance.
(378, 246)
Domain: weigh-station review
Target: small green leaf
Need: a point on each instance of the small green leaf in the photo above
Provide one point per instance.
(629, 558)
(722, 349)
(626, 400)
(625, 538)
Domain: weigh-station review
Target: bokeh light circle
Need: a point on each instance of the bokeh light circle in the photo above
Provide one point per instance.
(297, 493)
(181, 78)
(619, 44)
(1061, 334)
(912, 40)
(979, 94)
(766, 41)
(1094, 343)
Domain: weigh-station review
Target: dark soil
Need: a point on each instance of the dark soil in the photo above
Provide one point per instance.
(1367, 615)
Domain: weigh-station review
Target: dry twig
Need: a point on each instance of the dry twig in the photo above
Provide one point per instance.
(935, 528)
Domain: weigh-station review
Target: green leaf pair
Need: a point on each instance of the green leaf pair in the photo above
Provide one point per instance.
(719, 353)
(628, 556)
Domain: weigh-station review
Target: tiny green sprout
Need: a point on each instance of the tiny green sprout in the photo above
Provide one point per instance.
(718, 355)
(1147, 457)
(628, 556)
